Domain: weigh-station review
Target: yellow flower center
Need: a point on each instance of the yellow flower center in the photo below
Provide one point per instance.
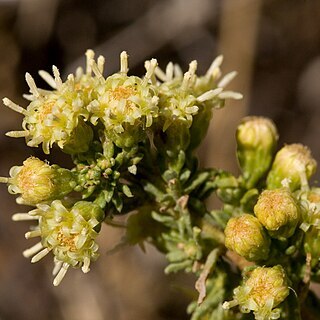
(121, 92)
(45, 110)
(67, 241)
(262, 289)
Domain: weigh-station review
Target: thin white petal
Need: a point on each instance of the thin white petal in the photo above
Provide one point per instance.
(57, 267)
(86, 265)
(214, 65)
(209, 94)
(124, 62)
(17, 134)
(160, 74)
(186, 80)
(230, 95)
(40, 255)
(14, 106)
(90, 57)
(33, 234)
(169, 71)
(178, 71)
(33, 250)
(57, 77)
(29, 97)
(96, 71)
(101, 61)
(4, 180)
(23, 217)
(32, 85)
(47, 77)
(62, 272)
(193, 67)
(227, 79)
(150, 66)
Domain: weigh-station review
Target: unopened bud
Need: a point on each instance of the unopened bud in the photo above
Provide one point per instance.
(263, 290)
(256, 142)
(37, 181)
(79, 140)
(278, 212)
(245, 235)
(293, 165)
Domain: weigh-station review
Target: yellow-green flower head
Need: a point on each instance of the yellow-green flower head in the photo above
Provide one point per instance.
(256, 142)
(278, 212)
(69, 233)
(38, 182)
(177, 103)
(263, 290)
(126, 105)
(209, 88)
(51, 116)
(183, 96)
(292, 166)
(245, 235)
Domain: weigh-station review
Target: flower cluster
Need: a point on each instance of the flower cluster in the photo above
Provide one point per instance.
(107, 125)
(132, 141)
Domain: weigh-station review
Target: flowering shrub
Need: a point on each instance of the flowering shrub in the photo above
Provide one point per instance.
(132, 142)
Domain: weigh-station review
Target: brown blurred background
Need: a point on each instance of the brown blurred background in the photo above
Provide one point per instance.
(275, 47)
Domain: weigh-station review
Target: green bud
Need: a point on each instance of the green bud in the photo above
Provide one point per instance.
(278, 212)
(89, 211)
(245, 236)
(312, 244)
(256, 142)
(262, 291)
(37, 181)
(79, 140)
(292, 166)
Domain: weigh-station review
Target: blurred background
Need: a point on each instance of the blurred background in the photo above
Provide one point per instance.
(275, 47)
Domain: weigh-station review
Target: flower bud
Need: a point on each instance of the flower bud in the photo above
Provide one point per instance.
(293, 165)
(245, 236)
(263, 290)
(256, 142)
(79, 140)
(278, 212)
(37, 181)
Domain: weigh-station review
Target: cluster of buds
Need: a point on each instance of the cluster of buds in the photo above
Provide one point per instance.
(274, 212)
